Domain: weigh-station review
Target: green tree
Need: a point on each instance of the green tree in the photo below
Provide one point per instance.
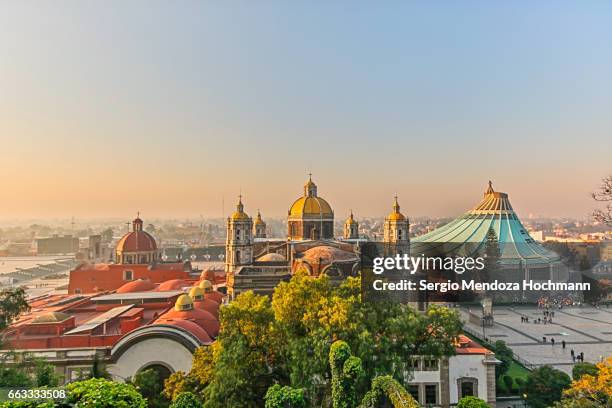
(98, 369)
(186, 400)
(508, 383)
(472, 402)
(12, 303)
(386, 388)
(284, 397)
(101, 393)
(504, 354)
(544, 386)
(581, 369)
(150, 386)
(346, 370)
(492, 253)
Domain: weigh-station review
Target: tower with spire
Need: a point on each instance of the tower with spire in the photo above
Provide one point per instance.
(351, 228)
(259, 227)
(396, 229)
(239, 241)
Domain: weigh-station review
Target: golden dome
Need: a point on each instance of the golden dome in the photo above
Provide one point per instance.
(311, 206)
(396, 215)
(206, 285)
(196, 293)
(239, 214)
(258, 220)
(350, 220)
(184, 302)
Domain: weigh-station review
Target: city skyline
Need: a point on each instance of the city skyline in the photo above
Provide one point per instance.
(171, 109)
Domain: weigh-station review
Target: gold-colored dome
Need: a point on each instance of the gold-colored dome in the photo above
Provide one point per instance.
(396, 215)
(258, 220)
(206, 285)
(239, 214)
(196, 293)
(184, 302)
(311, 206)
(350, 220)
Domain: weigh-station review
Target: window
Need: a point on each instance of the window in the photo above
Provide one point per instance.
(431, 394)
(430, 364)
(467, 389)
(414, 364)
(128, 275)
(77, 291)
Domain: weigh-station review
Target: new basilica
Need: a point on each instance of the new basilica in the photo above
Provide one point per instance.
(255, 262)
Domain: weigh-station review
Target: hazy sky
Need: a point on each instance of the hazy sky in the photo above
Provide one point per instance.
(107, 107)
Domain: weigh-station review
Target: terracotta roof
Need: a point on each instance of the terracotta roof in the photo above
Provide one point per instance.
(139, 285)
(137, 241)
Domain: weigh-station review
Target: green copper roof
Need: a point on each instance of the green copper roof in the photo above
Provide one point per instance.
(468, 233)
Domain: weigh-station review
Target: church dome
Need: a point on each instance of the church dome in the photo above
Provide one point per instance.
(258, 220)
(272, 257)
(184, 302)
(351, 219)
(196, 293)
(310, 204)
(239, 214)
(137, 240)
(396, 215)
(172, 284)
(327, 254)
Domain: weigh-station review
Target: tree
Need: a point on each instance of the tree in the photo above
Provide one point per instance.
(186, 400)
(492, 253)
(12, 303)
(346, 371)
(544, 386)
(581, 369)
(508, 381)
(472, 402)
(287, 341)
(386, 387)
(593, 390)
(101, 393)
(98, 369)
(284, 397)
(150, 386)
(604, 194)
(504, 354)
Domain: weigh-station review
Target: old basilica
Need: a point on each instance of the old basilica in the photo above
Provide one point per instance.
(255, 262)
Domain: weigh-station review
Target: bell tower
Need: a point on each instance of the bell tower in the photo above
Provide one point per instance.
(239, 241)
(396, 230)
(351, 228)
(260, 226)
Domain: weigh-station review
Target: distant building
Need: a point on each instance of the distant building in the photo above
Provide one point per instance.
(56, 245)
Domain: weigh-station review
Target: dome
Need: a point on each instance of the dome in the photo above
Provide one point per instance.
(196, 293)
(190, 327)
(350, 220)
(206, 285)
(271, 257)
(396, 215)
(52, 317)
(310, 204)
(172, 284)
(328, 254)
(139, 285)
(258, 220)
(184, 302)
(239, 214)
(203, 318)
(137, 240)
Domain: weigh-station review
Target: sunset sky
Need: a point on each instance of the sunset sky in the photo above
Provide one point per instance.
(111, 107)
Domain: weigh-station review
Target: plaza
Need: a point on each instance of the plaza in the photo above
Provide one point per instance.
(584, 329)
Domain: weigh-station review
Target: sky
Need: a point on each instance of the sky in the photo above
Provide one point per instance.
(174, 108)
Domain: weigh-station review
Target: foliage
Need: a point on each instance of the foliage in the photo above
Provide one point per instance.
(284, 397)
(150, 386)
(508, 383)
(387, 387)
(581, 369)
(504, 354)
(346, 370)
(101, 393)
(98, 369)
(492, 253)
(186, 400)
(12, 303)
(27, 371)
(593, 390)
(472, 402)
(28, 404)
(288, 340)
(544, 386)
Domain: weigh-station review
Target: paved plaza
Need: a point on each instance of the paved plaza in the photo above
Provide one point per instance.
(584, 329)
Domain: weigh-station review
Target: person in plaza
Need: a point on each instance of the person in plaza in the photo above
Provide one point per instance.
(552, 340)
(563, 343)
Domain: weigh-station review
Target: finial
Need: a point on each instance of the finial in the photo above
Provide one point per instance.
(137, 214)
(396, 206)
(490, 189)
(309, 176)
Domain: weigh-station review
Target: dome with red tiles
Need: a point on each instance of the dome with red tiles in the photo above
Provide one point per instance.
(138, 285)
(137, 246)
(184, 310)
(172, 284)
(190, 327)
